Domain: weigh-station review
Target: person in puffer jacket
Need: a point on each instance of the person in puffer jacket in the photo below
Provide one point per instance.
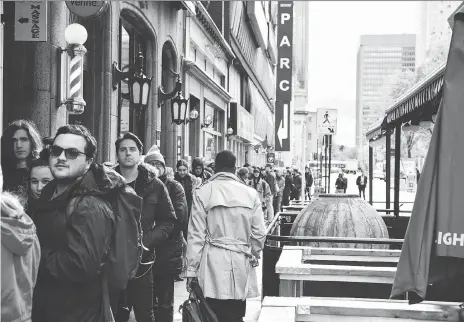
(168, 264)
(20, 260)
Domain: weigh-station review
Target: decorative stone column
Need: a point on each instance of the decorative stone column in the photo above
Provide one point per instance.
(45, 112)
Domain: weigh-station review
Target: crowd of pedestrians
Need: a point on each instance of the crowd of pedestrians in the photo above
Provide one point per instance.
(55, 194)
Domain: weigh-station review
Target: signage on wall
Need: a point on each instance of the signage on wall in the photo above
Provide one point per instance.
(270, 158)
(282, 126)
(284, 76)
(327, 121)
(87, 9)
(284, 51)
(30, 21)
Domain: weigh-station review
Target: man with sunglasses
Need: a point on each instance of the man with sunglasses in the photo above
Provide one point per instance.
(74, 225)
(158, 220)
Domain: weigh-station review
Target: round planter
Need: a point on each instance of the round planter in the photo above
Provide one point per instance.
(340, 215)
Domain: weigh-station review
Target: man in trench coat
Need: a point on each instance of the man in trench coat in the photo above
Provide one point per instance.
(225, 237)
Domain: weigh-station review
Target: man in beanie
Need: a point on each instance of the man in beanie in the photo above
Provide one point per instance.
(168, 264)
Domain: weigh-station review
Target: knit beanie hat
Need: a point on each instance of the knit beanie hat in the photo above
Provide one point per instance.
(154, 154)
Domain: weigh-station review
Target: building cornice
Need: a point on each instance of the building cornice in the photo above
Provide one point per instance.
(209, 25)
(191, 68)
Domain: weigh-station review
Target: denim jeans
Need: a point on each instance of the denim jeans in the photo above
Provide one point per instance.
(163, 298)
(138, 296)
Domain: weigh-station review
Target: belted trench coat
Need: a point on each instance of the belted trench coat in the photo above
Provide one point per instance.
(226, 232)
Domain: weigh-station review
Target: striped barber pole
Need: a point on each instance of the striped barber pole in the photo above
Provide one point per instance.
(75, 78)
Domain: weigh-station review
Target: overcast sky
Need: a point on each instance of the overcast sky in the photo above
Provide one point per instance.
(335, 30)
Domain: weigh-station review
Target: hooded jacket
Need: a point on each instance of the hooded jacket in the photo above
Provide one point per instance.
(158, 216)
(205, 175)
(20, 264)
(70, 284)
(169, 253)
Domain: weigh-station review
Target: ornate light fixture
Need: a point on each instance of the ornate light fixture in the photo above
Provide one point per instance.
(193, 114)
(179, 109)
(230, 130)
(72, 69)
(208, 120)
(139, 84)
(178, 103)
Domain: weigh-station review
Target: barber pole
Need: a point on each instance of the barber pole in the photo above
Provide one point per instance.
(75, 102)
(75, 78)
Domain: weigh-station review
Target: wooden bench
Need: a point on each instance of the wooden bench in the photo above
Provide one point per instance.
(316, 309)
(298, 264)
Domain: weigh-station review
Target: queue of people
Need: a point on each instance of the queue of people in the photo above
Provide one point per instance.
(56, 195)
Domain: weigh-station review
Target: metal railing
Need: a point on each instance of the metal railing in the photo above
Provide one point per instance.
(275, 241)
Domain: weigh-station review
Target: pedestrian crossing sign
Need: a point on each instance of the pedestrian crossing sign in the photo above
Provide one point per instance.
(327, 121)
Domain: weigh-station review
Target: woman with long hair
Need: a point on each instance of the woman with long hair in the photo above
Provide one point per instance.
(21, 143)
(188, 181)
(40, 175)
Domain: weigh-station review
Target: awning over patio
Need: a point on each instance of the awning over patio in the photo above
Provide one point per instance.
(420, 94)
(375, 129)
(423, 95)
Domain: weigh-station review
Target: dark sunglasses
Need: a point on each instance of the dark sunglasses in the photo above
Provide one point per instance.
(70, 153)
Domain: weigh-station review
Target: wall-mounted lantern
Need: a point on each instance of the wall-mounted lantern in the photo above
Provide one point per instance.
(193, 114)
(179, 109)
(178, 103)
(72, 69)
(230, 130)
(207, 121)
(139, 84)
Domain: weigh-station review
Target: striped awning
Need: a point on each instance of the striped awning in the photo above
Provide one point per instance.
(421, 93)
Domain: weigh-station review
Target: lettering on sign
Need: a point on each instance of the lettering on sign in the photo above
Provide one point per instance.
(35, 29)
(87, 9)
(284, 52)
(284, 76)
(30, 21)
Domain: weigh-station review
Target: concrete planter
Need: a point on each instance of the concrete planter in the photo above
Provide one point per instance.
(340, 215)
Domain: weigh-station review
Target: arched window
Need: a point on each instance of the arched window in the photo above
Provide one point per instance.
(131, 42)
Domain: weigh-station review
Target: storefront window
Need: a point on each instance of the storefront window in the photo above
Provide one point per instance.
(213, 135)
(211, 146)
(130, 43)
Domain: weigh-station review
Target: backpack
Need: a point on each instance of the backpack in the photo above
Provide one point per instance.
(125, 249)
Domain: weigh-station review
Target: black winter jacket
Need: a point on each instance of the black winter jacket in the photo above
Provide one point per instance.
(69, 286)
(158, 216)
(169, 253)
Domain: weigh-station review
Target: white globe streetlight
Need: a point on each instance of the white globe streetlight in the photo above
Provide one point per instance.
(75, 34)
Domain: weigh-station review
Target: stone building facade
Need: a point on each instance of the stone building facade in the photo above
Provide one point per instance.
(223, 52)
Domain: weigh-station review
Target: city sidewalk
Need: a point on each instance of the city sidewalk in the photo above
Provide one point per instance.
(253, 306)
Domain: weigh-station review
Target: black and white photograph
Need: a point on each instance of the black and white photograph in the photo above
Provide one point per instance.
(232, 161)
